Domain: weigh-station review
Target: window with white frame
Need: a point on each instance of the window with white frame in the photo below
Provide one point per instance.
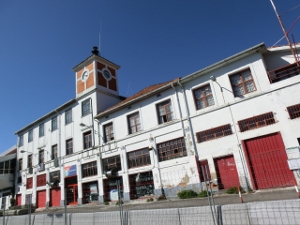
(86, 107)
(134, 123)
(30, 135)
(242, 83)
(69, 146)
(54, 152)
(203, 97)
(164, 112)
(87, 140)
(21, 141)
(54, 123)
(41, 130)
(108, 132)
(68, 116)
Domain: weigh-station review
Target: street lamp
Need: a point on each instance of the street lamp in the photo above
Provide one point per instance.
(214, 79)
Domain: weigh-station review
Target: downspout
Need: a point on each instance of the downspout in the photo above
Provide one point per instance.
(188, 116)
(93, 132)
(59, 134)
(180, 112)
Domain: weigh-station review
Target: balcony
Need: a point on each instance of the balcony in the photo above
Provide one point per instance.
(283, 73)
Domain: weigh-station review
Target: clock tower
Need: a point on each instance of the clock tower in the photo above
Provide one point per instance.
(96, 73)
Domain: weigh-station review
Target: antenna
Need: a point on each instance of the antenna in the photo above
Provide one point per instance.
(285, 33)
(100, 39)
(127, 89)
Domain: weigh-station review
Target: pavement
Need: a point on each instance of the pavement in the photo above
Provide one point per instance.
(219, 199)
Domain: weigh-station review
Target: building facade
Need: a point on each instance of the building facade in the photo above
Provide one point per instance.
(7, 175)
(234, 123)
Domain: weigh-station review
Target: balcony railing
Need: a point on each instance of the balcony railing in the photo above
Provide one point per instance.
(283, 73)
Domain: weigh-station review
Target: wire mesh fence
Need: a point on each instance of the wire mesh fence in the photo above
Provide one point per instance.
(255, 213)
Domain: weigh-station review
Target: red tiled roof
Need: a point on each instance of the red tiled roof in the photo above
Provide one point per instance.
(144, 92)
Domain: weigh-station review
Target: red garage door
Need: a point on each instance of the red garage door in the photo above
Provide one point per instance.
(55, 197)
(19, 199)
(267, 160)
(226, 172)
(41, 199)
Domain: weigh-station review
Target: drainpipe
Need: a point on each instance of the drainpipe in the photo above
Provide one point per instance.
(188, 116)
(180, 112)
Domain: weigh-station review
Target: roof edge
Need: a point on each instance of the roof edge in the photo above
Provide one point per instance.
(224, 61)
(47, 115)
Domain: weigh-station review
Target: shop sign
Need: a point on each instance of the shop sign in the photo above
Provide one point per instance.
(70, 171)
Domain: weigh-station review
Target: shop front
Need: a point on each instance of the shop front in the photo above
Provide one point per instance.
(111, 190)
(71, 185)
(141, 185)
(90, 192)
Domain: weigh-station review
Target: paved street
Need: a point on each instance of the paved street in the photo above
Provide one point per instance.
(266, 195)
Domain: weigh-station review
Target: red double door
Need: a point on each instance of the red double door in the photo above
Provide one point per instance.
(267, 160)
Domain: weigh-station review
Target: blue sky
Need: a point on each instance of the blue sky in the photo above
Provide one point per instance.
(153, 41)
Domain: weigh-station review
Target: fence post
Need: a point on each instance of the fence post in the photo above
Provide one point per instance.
(4, 201)
(65, 205)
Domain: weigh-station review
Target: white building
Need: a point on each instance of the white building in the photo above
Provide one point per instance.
(7, 175)
(234, 123)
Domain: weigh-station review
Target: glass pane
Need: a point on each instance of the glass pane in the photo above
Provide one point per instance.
(250, 86)
(200, 104)
(198, 93)
(162, 111)
(235, 79)
(238, 90)
(210, 101)
(207, 90)
(168, 108)
(246, 75)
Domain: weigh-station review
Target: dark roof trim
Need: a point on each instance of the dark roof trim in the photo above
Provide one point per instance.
(52, 113)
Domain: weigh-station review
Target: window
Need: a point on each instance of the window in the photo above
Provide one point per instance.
(294, 111)
(89, 169)
(87, 140)
(108, 132)
(29, 183)
(164, 111)
(256, 122)
(30, 135)
(41, 180)
(41, 156)
(214, 133)
(86, 107)
(54, 124)
(68, 116)
(69, 146)
(134, 123)
(41, 130)
(112, 162)
(20, 164)
(54, 152)
(21, 141)
(29, 161)
(242, 83)
(138, 158)
(203, 97)
(283, 73)
(171, 149)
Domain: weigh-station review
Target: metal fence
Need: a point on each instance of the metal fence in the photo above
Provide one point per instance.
(255, 213)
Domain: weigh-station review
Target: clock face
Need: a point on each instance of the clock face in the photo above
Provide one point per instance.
(106, 74)
(84, 75)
